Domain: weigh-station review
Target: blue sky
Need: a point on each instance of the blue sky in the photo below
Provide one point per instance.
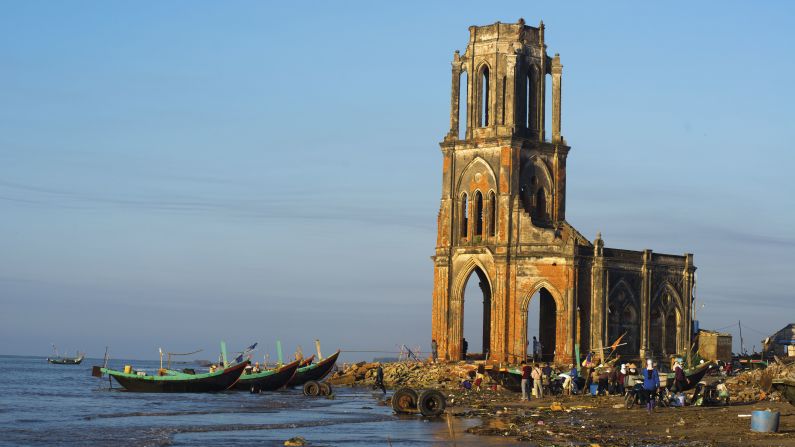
(176, 173)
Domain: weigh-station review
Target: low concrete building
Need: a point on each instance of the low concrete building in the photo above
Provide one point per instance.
(714, 346)
(782, 343)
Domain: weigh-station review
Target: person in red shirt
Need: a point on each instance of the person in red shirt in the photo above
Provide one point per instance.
(526, 372)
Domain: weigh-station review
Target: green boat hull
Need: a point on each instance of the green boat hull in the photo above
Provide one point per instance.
(269, 380)
(316, 371)
(175, 382)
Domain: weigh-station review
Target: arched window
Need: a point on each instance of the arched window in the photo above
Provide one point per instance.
(464, 216)
(484, 96)
(541, 204)
(492, 214)
(478, 213)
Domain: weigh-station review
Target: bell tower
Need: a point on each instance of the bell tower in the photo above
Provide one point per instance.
(503, 178)
(502, 223)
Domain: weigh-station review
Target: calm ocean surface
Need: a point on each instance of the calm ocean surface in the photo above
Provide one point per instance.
(62, 405)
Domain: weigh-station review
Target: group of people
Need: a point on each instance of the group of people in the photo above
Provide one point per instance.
(541, 379)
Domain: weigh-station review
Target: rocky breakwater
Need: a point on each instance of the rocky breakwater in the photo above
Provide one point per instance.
(404, 374)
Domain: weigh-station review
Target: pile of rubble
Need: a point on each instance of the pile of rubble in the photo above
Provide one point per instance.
(755, 384)
(400, 374)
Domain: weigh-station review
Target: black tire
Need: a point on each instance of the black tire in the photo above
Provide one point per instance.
(325, 389)
(431, 403)
(404, 401)
(629, 400)
(311, 388)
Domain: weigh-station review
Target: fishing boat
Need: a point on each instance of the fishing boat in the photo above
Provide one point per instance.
(315, 371)
(64, 360)
(693, 375)
(508, 378)
(167, 381)
(307, 361)
(268, 380)
(787, 389)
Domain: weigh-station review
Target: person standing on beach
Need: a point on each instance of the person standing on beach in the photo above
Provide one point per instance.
(536, 374)
(464, 347)
(680, 380)
(379, 379)
(651, 382)
(526, 372)
(434, 350)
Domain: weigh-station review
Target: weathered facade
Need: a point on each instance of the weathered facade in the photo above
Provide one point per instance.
(503, 217)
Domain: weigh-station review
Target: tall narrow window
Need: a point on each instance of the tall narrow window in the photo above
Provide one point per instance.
(464, 216)
(478, 213)
(504, 84)
(492, 214)
(484, 97)
(528, 94)
(547, 120)
(462, 106)
(530, 106)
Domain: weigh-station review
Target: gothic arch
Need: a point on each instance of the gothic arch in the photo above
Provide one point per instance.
(463, 274)
(483, 95)
(492, 178)
(622, 284)
(667, 286)
(671, 334)
(535, 160)
(557, 329)
(456, 318)
(543, 284)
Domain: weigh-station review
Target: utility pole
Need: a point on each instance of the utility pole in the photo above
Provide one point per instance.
(742, 349)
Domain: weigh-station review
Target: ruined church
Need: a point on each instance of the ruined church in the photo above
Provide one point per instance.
(502, 218)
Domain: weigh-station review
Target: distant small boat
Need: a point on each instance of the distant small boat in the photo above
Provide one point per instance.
(175, 382)
(268, 380)
(316, 371)
(64, 360)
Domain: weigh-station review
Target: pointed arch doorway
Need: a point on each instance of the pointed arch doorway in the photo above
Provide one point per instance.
(541, 314)
(477, 314)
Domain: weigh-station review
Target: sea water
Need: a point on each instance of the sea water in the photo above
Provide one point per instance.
(63, 405)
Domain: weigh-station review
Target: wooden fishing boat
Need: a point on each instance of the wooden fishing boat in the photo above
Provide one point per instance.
(174, 381)
(693, 375)
(268, 380)
(316, 371)
(59, 359)
(307, 361)
(508, 378)
(787, 389)
(66, 360)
